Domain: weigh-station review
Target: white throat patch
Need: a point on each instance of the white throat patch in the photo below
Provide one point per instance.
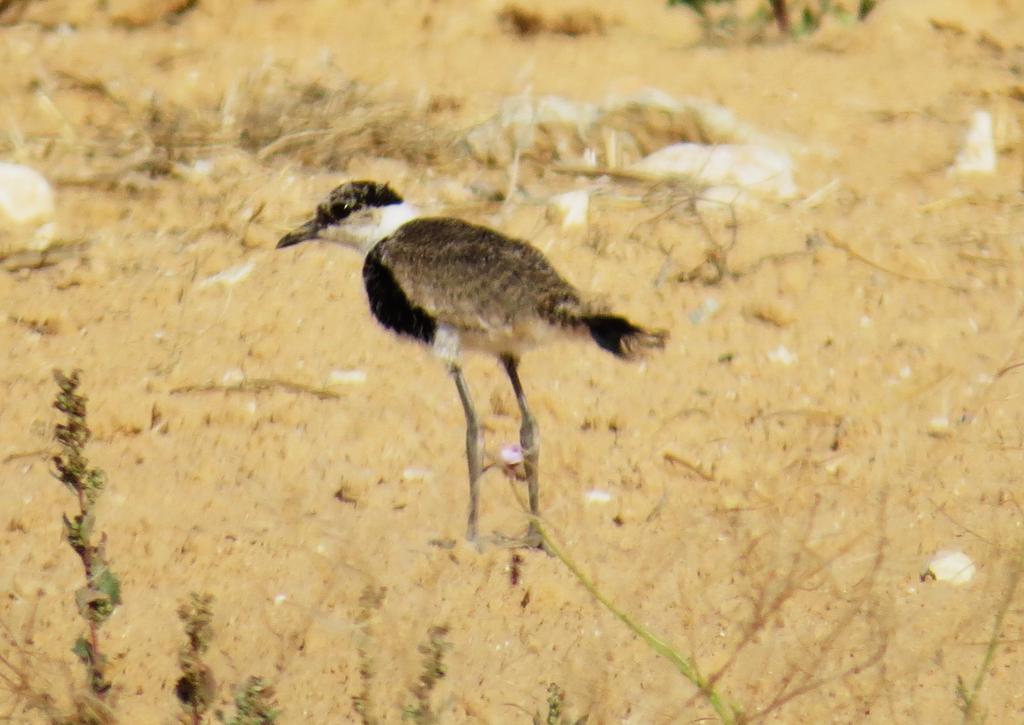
(395, 215)
(364, 228)
(369, 228)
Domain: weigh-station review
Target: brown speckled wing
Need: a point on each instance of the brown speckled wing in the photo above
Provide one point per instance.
(473, 278)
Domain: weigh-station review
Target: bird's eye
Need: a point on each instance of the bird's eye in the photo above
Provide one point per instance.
(333, 213)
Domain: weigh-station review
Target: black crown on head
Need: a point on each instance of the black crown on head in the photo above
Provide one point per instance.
(353, 196)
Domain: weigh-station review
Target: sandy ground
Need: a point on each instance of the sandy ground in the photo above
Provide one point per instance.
(777, 477)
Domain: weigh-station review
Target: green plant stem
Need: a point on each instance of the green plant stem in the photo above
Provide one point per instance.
(96, 665)
(100, 595)
(725, 711)
(993, 642)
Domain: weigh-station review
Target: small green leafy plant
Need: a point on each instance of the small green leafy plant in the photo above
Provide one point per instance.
(196, 687)
(254, 704)
(727, 21)
(433, 670)
(556, 706)
(101, 594)
(370, 601)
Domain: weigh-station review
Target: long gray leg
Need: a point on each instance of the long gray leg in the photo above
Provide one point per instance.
(529, 439)
(472, 449)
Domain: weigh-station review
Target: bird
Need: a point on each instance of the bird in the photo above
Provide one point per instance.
(456, 286)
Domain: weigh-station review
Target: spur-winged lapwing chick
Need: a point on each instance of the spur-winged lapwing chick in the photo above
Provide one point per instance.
(457, 286)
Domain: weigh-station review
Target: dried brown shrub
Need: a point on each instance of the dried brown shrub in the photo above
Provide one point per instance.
(526, 23)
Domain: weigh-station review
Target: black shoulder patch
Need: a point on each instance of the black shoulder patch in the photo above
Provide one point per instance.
(389, 303)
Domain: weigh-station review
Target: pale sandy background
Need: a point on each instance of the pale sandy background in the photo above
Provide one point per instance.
(770, 519)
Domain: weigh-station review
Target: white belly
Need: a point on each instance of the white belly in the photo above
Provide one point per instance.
(514, 340)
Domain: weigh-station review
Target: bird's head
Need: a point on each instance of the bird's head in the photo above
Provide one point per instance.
(357, 214)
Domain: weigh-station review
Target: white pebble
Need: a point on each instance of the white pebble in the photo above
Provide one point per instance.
(230, 276)
(950, 566)
(203, 167)
(280, 599)
(721, 199)
(707, 308)
(596, 495)
(346, 377)
(26, 206)
(416, 473)
(25, 195)
(782, 355)
(234, 376)
(760, 169)
(572, 208)
(939, 426)
(978, 154)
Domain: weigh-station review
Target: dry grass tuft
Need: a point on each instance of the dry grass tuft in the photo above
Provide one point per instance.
(527, 23)
(11, 11)
(327, 127)
(310, 123)
(267, 115)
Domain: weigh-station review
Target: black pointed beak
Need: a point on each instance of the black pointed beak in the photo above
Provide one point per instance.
(309, 230)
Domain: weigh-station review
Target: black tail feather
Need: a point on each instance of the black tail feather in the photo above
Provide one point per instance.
(621, 337)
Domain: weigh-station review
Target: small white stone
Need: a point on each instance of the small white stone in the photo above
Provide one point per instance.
(196, 171)
(203, 167)
(596, 495)
(782, 355)
(230, 276)
(27, 207)
(749, 167)
(939, 426)
(978, 154)
(707, 308)
(25, 195)
(234, 376)
(417, 473)
(572, 208)
(951, 566)
(721, 199)
(280, 599)
(346, 377)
